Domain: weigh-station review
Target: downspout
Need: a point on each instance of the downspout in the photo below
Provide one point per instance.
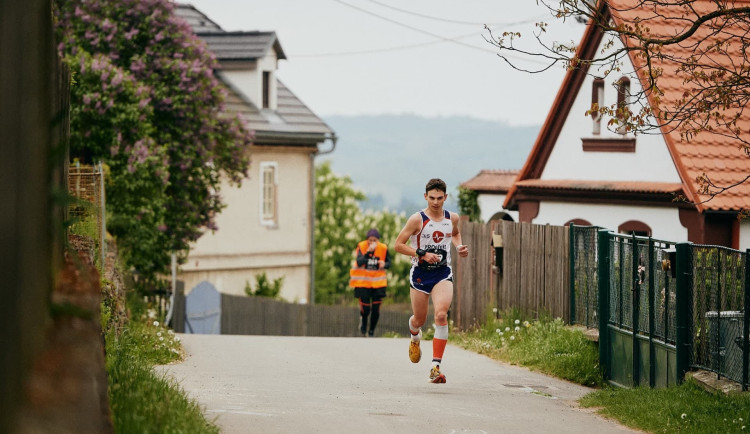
(333, 138)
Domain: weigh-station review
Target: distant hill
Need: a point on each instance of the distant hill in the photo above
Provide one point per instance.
(391, 157)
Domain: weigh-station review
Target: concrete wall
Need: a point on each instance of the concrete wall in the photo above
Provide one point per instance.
(243, 246)
(664, 222)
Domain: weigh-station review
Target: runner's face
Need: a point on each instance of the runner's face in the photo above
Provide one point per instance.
(372, 240)
(435, 199)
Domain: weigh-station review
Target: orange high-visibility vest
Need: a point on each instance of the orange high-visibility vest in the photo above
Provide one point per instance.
(361, 277)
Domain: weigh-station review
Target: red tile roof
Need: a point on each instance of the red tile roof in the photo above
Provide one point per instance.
(715, 153)
(711, 153)
(495, 181)
(618, 186)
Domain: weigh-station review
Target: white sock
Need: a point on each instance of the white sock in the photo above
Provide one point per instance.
(416, 333)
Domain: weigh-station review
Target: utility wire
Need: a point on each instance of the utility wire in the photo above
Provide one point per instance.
(438, 39)
(424, 32)
(445, 20)
(380, 50)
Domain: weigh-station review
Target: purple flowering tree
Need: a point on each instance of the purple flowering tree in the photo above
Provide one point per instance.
(145, 102)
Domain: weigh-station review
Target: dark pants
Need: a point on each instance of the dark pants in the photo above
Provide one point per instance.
(369, 306)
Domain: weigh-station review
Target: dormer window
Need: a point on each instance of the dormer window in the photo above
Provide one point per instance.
(266, 89)
(597, 99)
(623, 101)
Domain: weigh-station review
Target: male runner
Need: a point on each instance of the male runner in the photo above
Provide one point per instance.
(430, 233)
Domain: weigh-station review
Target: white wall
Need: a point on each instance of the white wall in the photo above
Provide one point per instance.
(250, 82)
(651, 160)
(243, 246)
(233, 281)
(744, 234)
(490, 204)
(664, 222)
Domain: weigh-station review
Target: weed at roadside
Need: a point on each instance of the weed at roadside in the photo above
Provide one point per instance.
(142, 401)
(545, 345)
(686, 408)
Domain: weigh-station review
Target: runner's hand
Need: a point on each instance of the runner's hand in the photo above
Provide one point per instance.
(463, 250)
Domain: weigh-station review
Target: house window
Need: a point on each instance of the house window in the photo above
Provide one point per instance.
(635, 227)
(268, 193)
(266, 89)
(623, 101)
(597, 100)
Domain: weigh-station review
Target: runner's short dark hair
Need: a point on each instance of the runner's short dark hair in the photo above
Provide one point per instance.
(436, 184)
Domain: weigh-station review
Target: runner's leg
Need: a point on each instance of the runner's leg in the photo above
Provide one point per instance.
(419, 304)
(442, 296)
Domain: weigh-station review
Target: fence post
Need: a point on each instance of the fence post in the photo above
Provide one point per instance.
(683, 310)
(636, 311)
(103, 214)
(572, 278)
(603, 287)
(745, 321)
(651, 315)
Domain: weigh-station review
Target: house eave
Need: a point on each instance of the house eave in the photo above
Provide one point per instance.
(610, 197)
(286, 138)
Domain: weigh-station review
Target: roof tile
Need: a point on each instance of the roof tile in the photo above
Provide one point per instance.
(498, 181)
(718, 155)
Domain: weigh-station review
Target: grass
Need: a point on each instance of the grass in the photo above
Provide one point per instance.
(548, 346)
(687, 408)
(544, 345)
(142, 401)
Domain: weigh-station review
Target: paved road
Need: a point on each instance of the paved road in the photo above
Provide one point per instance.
(271, 384)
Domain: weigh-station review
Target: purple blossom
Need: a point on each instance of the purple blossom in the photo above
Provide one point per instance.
(117, 79)
(129, 35)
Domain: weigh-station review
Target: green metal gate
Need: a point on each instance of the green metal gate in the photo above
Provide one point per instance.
(638, 311)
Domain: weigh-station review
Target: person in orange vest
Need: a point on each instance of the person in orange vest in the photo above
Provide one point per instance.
(368, 279)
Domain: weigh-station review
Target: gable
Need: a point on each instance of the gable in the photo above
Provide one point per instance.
(719, 157)
(646, 159)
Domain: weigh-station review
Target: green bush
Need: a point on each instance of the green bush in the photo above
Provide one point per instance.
(265, 287)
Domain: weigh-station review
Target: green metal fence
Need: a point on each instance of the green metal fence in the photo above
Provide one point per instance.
(583, 276)
(661, 307)
(636, 337)
(718, 303)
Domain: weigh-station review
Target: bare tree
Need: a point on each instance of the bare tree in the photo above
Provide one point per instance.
(690, 56)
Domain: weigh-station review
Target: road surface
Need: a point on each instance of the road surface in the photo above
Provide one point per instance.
(274, 384)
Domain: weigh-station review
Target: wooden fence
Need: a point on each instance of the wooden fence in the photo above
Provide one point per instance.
(243, 315)
(533, 276)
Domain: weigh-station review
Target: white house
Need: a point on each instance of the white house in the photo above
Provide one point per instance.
(267, 225)
(580, 171)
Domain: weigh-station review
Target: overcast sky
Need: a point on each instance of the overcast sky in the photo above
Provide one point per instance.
(424, 57)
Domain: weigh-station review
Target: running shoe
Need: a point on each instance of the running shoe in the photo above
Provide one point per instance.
(415, 353)
(436, 376)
